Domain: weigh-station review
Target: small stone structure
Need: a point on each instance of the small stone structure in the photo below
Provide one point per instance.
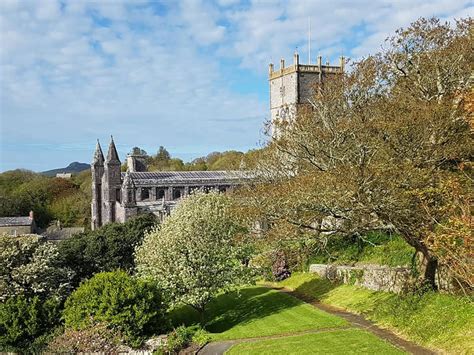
(55, 232)
(376, 277)
(18, 225)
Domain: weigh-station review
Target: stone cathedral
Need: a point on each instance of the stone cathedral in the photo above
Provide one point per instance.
(118, 196)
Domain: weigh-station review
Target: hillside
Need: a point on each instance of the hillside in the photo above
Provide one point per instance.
(73, 168)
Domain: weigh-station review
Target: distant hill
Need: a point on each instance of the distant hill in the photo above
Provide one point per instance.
(73, 168)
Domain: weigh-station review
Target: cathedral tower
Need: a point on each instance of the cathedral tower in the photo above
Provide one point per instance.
(292, 87)
(111, 184)
(97, 169)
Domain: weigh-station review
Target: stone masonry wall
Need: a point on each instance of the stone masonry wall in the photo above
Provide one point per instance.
(374, 277)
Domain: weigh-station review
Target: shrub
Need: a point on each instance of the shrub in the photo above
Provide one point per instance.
(125, 303)
(106, 249)
(24, 320)
(182, 337)
(97, 338)
(179, 339)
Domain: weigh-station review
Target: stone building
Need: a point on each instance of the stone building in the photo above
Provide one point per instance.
(292, 87)
(18, 225)
(117, 196)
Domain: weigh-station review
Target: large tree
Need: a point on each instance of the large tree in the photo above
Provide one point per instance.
(194, 255)
(377, 143)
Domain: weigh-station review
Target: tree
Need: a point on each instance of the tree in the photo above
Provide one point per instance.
(193, 255)
(30, 266)
(162, 154)
(109, 248)
(376, 144)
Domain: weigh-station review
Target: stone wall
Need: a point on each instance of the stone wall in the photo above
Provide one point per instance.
(375, 277)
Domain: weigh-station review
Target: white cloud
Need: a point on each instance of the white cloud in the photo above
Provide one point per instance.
(157, 75)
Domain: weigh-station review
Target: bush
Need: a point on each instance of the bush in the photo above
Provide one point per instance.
(182, 337)
(98, 338)
(106, 249)
(127, 304)
(24, 321)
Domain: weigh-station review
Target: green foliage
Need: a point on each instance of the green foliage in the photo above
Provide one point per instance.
(109, 248)
(201, 337)
(24, 191)
(24, 322)
(31, 266)
(179, 339)
(432, 319)
(130, 305)
(194, 255)
(182, 337)
(351, 341)
(373, 248)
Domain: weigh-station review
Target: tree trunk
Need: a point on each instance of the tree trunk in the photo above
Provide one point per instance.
(430, 272)
(430, 264)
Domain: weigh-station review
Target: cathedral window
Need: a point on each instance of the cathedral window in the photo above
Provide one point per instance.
(176, 193)
(145, 193)
(160, 193)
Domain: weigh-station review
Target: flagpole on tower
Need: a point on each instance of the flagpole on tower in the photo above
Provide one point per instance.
(309, 40)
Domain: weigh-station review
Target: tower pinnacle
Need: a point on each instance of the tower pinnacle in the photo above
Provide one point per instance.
(112, 155)
(98, 155)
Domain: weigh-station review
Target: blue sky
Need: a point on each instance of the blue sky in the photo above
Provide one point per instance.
(190, 75)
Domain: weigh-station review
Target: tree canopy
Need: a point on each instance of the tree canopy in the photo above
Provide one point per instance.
(194, 254)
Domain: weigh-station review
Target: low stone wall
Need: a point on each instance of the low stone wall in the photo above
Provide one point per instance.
(376, 277)
(373, 277)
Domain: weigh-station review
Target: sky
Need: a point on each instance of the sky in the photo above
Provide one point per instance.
(189, 75)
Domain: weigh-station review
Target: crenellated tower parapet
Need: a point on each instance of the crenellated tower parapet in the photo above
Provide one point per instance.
(293, 86)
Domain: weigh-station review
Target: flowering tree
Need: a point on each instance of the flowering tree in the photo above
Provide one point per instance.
(193, 255)
(30, 266)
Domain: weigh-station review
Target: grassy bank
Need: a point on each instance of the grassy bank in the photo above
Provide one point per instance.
(255, 312)
(431, 319)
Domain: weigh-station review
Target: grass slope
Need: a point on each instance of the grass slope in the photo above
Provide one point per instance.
(432, 319)
(255, 312)
(350, 341)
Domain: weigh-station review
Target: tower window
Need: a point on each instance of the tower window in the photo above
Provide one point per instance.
(118, 195)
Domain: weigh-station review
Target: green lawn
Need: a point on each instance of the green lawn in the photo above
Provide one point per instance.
(432, 319)
(350, 341)
(255, 312)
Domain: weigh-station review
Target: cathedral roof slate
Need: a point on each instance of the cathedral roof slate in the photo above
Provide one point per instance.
(187, 177)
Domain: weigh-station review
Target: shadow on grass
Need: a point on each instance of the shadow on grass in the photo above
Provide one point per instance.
(236, 308)
(314, 289)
